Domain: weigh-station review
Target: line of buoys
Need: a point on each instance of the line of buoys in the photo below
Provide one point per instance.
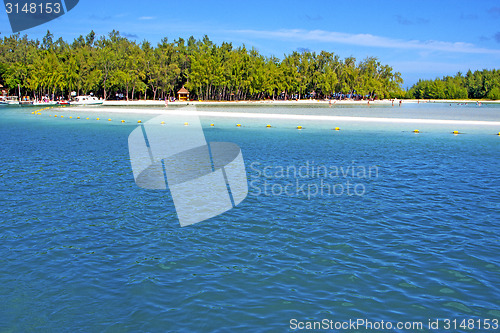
(299, 127)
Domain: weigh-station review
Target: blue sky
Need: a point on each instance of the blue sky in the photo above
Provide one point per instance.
(420, 39)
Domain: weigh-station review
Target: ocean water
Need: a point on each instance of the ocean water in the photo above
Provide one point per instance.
(372, 222)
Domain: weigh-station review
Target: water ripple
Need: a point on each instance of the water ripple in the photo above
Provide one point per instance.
(84, 248)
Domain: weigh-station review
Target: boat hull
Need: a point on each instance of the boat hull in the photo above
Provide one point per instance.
(37, 104)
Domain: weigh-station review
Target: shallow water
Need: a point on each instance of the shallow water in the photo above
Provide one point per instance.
(428, 110)
(84, 249)
(433, 110)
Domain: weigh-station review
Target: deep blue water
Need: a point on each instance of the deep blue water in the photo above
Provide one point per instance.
(83, 249)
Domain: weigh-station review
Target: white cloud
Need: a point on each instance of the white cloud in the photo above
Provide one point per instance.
(367, 40)
(146, 18)
(417, 66)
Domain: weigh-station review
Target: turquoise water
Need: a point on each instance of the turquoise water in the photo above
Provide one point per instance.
(84, 249)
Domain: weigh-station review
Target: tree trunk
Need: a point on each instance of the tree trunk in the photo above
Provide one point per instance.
(105, 79)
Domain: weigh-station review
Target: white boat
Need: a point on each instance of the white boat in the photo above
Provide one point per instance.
(38, 103)
(44, 103)
(86, 100)
(10, 100)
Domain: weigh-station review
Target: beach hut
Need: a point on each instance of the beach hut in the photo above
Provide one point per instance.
(183, 94)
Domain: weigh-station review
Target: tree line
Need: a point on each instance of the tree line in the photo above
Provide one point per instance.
(113, 63)
(484, 84)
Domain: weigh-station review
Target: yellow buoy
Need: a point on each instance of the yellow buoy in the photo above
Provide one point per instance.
(98, 119)
(109, 119)
(186, 124)
(55, 115)
(87, 118)
(78, 117)
(162, 123)
(212, 125)
(299, 127)
(32, 112)
(123, 121)
(139, 121)
(416, 131)
(62, 116)
(238, 125)
(268, 126)
(498, 133)
(337, 128)
(455, 132)
(70, 117)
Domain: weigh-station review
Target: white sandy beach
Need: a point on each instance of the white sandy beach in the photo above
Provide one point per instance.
(285, 103)
(318, 118)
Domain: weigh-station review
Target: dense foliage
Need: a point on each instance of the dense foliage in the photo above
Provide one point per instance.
(114, 64)
(474, 85)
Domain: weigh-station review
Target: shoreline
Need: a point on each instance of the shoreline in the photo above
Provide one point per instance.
(320, 118)
(289, 102)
